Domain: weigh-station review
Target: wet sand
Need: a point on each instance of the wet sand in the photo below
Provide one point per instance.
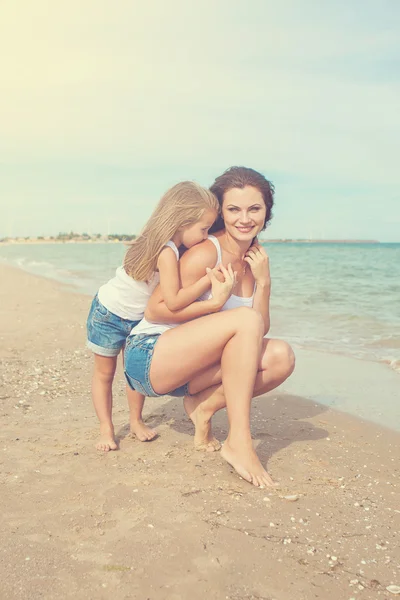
(160, 521)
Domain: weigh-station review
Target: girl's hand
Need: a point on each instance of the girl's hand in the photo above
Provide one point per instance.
(221, 290)
(258, 260)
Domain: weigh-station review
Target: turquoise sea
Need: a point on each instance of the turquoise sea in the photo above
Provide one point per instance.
(340, 298)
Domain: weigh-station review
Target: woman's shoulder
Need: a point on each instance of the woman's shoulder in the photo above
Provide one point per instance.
(203, 255)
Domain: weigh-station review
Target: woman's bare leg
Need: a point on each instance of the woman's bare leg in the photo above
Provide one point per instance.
(200, 409)
(238, 448)
(234, 339)
(201, 419)
(276, 365)
(103, 376)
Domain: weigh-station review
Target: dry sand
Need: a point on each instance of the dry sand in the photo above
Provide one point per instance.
(158, 520)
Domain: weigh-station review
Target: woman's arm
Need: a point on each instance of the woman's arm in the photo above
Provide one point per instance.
(258, 260)
(261, 304)
(192, 266)
(174, 296)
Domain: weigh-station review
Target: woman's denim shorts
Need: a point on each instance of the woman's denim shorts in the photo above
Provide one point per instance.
(138, 355)
(106, 332)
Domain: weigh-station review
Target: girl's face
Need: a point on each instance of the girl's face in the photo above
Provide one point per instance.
(244, 212)
(198, 232)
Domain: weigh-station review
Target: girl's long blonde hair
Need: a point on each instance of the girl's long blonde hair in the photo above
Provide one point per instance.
(182, 205)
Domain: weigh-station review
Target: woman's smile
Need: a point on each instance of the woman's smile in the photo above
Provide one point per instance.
(245, 229)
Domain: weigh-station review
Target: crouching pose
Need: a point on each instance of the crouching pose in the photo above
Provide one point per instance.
(221, 359)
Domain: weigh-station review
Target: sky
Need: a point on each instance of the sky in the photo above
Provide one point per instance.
(104, 105)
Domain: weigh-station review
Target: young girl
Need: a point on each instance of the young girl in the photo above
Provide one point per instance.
(182, 218)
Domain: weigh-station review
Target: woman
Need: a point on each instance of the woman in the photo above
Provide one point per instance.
(221, 359)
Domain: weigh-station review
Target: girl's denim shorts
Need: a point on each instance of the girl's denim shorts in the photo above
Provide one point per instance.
(138, 355)
(106, 332)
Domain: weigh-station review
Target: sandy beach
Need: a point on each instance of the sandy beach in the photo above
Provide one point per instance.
(160, 521)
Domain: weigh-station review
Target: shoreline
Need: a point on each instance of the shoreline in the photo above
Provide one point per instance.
(64, 285)
(81, 524)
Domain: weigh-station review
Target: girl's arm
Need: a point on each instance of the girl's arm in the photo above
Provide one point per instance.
(192, 265)
(174, 296)
(258, 260)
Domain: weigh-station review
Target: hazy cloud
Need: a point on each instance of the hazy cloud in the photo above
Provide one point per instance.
(104, 105)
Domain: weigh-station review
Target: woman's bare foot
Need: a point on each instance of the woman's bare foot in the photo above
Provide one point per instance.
(246, 463)
(203, 437)
(142, 431)
(107, 439)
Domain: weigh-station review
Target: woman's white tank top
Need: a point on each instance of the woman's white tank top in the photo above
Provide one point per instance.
(147, 327)
(233, 301)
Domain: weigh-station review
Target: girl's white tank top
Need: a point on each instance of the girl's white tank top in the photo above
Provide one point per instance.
(127, 298)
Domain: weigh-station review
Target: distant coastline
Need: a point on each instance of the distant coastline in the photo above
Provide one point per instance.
(70, 238)
(74, 238)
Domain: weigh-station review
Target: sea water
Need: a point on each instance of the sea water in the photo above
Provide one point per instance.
(337, 297)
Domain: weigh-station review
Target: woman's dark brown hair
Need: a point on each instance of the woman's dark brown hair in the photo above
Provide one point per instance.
(240, 177)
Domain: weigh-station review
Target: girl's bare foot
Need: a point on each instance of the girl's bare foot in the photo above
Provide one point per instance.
(107, 440)
(142, 431)
(203, 437)
(246, 463)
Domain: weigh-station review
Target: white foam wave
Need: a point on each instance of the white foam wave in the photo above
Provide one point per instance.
(25, 263)
(393, 363)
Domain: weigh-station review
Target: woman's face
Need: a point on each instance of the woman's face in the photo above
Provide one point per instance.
(244, 212)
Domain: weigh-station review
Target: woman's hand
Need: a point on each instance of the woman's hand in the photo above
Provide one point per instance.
(222, 283)
(258, 260)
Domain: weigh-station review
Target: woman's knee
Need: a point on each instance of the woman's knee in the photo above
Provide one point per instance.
(282, 355)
